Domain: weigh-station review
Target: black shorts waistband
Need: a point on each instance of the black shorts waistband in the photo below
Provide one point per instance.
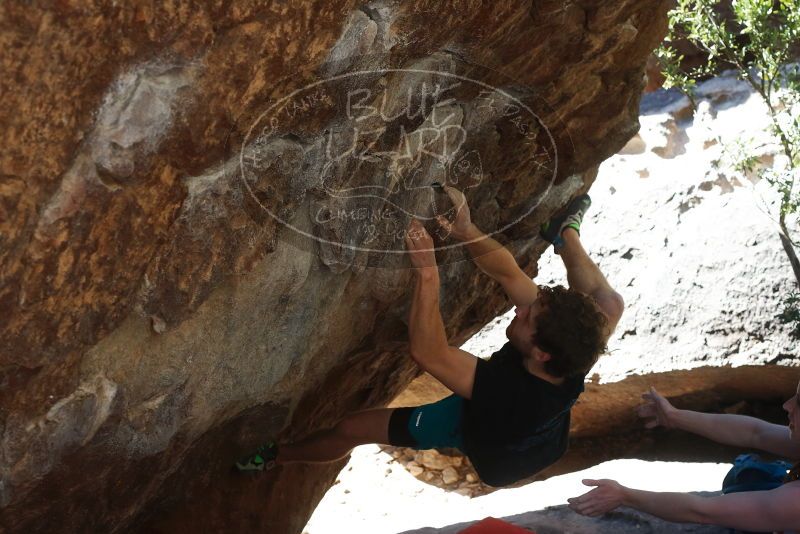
(399, 434)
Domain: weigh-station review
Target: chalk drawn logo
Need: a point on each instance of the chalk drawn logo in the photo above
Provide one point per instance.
(389, 138)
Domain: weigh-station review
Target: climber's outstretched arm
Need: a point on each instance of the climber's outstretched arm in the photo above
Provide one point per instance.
(428, 345)
(490, 256)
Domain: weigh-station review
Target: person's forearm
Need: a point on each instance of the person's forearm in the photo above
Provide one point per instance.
(727, 429)
(489, 255)
(425, 327)
(676, 507)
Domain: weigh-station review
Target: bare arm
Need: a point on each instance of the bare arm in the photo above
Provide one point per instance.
(728, 429)
(754, 510)
(490, 256)
(428, 346)
(739, 430)
(496, 261)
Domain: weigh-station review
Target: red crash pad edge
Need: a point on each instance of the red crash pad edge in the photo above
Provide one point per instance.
(490, 525)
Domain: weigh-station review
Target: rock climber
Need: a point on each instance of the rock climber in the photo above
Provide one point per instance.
(510, 413)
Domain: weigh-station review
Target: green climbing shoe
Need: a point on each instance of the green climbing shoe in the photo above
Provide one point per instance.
(261, 460)
(571, 217)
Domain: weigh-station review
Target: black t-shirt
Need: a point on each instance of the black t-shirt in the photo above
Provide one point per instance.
(516, 424)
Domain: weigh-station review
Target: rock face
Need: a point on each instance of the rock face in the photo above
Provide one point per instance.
(202, 211)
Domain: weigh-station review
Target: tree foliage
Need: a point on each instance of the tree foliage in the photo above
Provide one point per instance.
(759, 43)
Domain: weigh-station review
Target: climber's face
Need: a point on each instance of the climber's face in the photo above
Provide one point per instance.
(792, 407)
(522, 328)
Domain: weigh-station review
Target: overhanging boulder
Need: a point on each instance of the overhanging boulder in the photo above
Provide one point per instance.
(185, 267)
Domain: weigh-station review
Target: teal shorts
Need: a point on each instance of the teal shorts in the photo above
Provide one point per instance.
(430, 426)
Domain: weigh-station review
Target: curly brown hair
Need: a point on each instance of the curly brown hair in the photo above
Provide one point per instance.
(571, 328)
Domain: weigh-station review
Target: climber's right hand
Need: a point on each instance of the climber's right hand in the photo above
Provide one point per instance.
(460, 227)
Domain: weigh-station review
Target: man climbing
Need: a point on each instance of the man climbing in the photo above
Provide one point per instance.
(508, 414)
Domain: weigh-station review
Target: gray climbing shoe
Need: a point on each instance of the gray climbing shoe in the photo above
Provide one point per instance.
(571, 217)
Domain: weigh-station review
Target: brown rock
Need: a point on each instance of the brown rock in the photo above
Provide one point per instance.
(655, 76)
(432, 459)
(449, 475)
(414, 468)
(142, 176)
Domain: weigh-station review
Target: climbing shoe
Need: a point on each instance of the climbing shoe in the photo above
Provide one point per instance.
(571, 217)
(261, 460)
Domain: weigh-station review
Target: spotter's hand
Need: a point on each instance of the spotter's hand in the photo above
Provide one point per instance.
(420, 246)
(606, 495)
(656, 411)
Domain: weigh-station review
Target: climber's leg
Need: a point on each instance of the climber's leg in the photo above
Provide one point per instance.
(429, 426)
(436, 425)
(359, 428)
